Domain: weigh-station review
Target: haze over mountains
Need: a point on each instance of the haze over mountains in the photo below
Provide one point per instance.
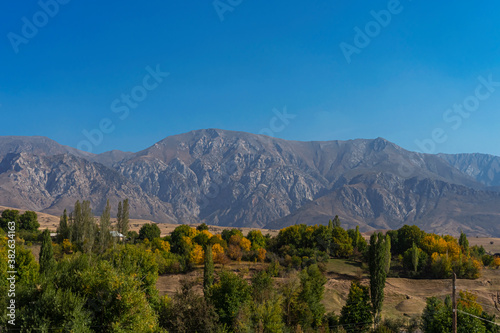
(240, 179)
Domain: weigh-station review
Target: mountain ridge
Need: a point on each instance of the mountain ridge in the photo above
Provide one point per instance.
(241, 179)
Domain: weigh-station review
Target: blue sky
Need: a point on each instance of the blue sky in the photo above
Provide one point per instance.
(262, 56)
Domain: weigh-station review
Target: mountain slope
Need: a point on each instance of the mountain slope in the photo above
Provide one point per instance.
(482, 167)
(385, 201)
(239, 179)
(53, 183)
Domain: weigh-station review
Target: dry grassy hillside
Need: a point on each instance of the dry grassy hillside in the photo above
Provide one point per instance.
(404, 298)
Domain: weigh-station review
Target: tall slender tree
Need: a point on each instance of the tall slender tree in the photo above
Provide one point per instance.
(387, 248)
(378, 273)
(208, 270)
(47, 261)
(125, 217)
(464, 242)
(77, 223)
(63, 231)
(119, 215)
(336, 221)
(89, 227)
(415, 254)
(105, 228)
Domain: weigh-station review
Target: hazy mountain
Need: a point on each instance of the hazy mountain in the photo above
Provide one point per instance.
(240, 179)
(482, 167)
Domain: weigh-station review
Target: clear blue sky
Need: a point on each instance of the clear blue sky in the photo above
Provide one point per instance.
(232, 73)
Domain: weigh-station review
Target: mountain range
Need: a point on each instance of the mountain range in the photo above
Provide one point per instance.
(239, 179)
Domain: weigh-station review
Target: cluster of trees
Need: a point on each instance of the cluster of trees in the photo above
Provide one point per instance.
(89, 281)
(186, 246)
(81, 231)
(232, 304)
(427, 255)
(302, 245)
(437, 315)
(28, 221)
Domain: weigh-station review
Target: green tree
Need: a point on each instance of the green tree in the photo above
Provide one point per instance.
(262, 286)
(105, 228)
(201, 239)
(330, 225)
(415, 254)
(312, 284)
(265, 316)
(119, 216)
(257, 239)
(407, 235)
(227, 233)
(437, 316)
(29, 221)
(26, 266)
(77, 223)
(179, 244)
(228, 295)
(115, 298)
(336, 221)
(149, 231)
(290, 290)
(123, 220)
(47, 307)
(63, 230)
(47, 261)
(137, 262)
(89, 227)
(356, 315)
(188, 312)
(202, 227)
(387, 248)
(10, 215)
(208, 270)
(83, 226)
(341, 243)
(377, 265)
(464, 243)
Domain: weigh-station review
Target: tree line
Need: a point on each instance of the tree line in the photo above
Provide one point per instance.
(88, 281)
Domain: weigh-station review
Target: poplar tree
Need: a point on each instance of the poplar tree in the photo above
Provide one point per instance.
(125, 217)
(122, 217)
(63, 231)
(415, 253)
(77, 223)
(336, 221)
(47, 261)
(119, 215)
(464, 242)
(105, 228)
(84, 226)
(378, 273)
(387, 253)
(208, 270)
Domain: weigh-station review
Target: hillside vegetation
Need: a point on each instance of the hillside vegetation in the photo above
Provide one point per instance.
(88, 278)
